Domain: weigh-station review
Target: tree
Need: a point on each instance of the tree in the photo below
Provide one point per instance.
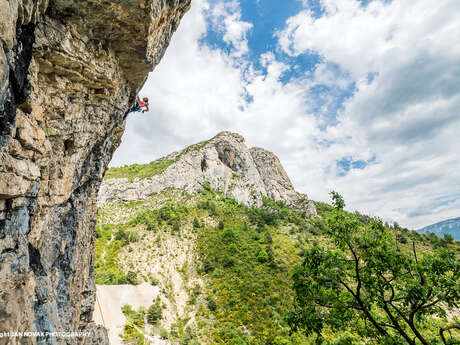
(176, 226)
(366, 284)
(448, 238)
(155, 312)
(130, 278)
(212, 305)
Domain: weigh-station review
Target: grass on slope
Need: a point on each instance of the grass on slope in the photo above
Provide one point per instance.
(143, 171)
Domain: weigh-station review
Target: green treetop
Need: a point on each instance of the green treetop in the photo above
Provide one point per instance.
(367, 284)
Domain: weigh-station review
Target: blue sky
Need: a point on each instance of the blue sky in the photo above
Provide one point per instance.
(361, 97)
(268, 18)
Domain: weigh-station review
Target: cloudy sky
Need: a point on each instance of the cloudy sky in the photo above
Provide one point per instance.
(358, 96)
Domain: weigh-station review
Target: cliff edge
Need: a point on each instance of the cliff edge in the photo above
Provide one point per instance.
(68, 71)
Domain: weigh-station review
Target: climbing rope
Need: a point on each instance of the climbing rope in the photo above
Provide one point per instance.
(100, 310)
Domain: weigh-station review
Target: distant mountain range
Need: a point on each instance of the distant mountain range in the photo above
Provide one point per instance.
(450, 226)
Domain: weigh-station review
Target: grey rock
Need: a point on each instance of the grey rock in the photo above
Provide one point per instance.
(226, 163)
(69, 69)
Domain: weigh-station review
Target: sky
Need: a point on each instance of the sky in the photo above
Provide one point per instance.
(357, 96)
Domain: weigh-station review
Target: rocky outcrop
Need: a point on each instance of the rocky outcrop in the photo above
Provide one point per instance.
(226, 163)
(68, 71)
(277, 182)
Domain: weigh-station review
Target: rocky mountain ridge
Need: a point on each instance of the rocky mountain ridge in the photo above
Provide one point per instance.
(225, 162)
(68, 71)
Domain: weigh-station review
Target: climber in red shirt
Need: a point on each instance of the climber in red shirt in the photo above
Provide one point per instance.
(144, 103)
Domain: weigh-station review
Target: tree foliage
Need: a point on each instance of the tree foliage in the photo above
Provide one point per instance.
(155, 312)
(367, 284)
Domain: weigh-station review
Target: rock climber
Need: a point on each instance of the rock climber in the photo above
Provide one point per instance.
(140, 103)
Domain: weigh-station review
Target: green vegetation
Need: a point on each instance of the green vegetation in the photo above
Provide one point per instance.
(249, 258)
(140, 171)
(110, 239)
(246, 260)
(449, 227)
(155, 312)
(132, 333)
(143, 171)
(367, 282)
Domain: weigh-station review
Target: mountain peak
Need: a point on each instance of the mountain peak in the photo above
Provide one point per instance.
(228, 134)
(224, 161)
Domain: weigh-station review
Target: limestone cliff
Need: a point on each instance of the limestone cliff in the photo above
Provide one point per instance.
(68, 71)
(226, 163)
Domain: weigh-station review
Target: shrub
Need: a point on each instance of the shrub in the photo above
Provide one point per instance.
(268, 238)
(319, 225)
(150, 226)
(176, 226)
(228, 235)
(154, 281)
(130, 278)
(348, 339)
(207, 186)
(164, 334)
(280, 340)
(262, 256)
(122, 235)
(196, 291)
(207, 266)
(270, 256)
(189, 336)
(136, 317)
(448, 238)
(232, 248)
(261, 228)
(234, 337)
(155, 312)
(127, 309)
(228, 260)
(212, 209)
(196, 223)
(211, 304)
(401, 238)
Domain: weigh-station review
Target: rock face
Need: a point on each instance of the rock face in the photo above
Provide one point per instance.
(226, 163)
(68, 71)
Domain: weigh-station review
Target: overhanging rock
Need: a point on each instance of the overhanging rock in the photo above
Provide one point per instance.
(68, 71)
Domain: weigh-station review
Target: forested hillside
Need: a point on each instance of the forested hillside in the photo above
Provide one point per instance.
(231, 274)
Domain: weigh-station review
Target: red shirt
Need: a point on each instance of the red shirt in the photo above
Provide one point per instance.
(142, 103)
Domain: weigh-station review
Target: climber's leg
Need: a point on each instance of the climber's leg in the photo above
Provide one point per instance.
(127, 113)
(131, 110)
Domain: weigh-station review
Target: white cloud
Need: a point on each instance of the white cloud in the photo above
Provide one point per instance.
(403, 118)
(194, 93)
(407, 115)
(226, 17)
